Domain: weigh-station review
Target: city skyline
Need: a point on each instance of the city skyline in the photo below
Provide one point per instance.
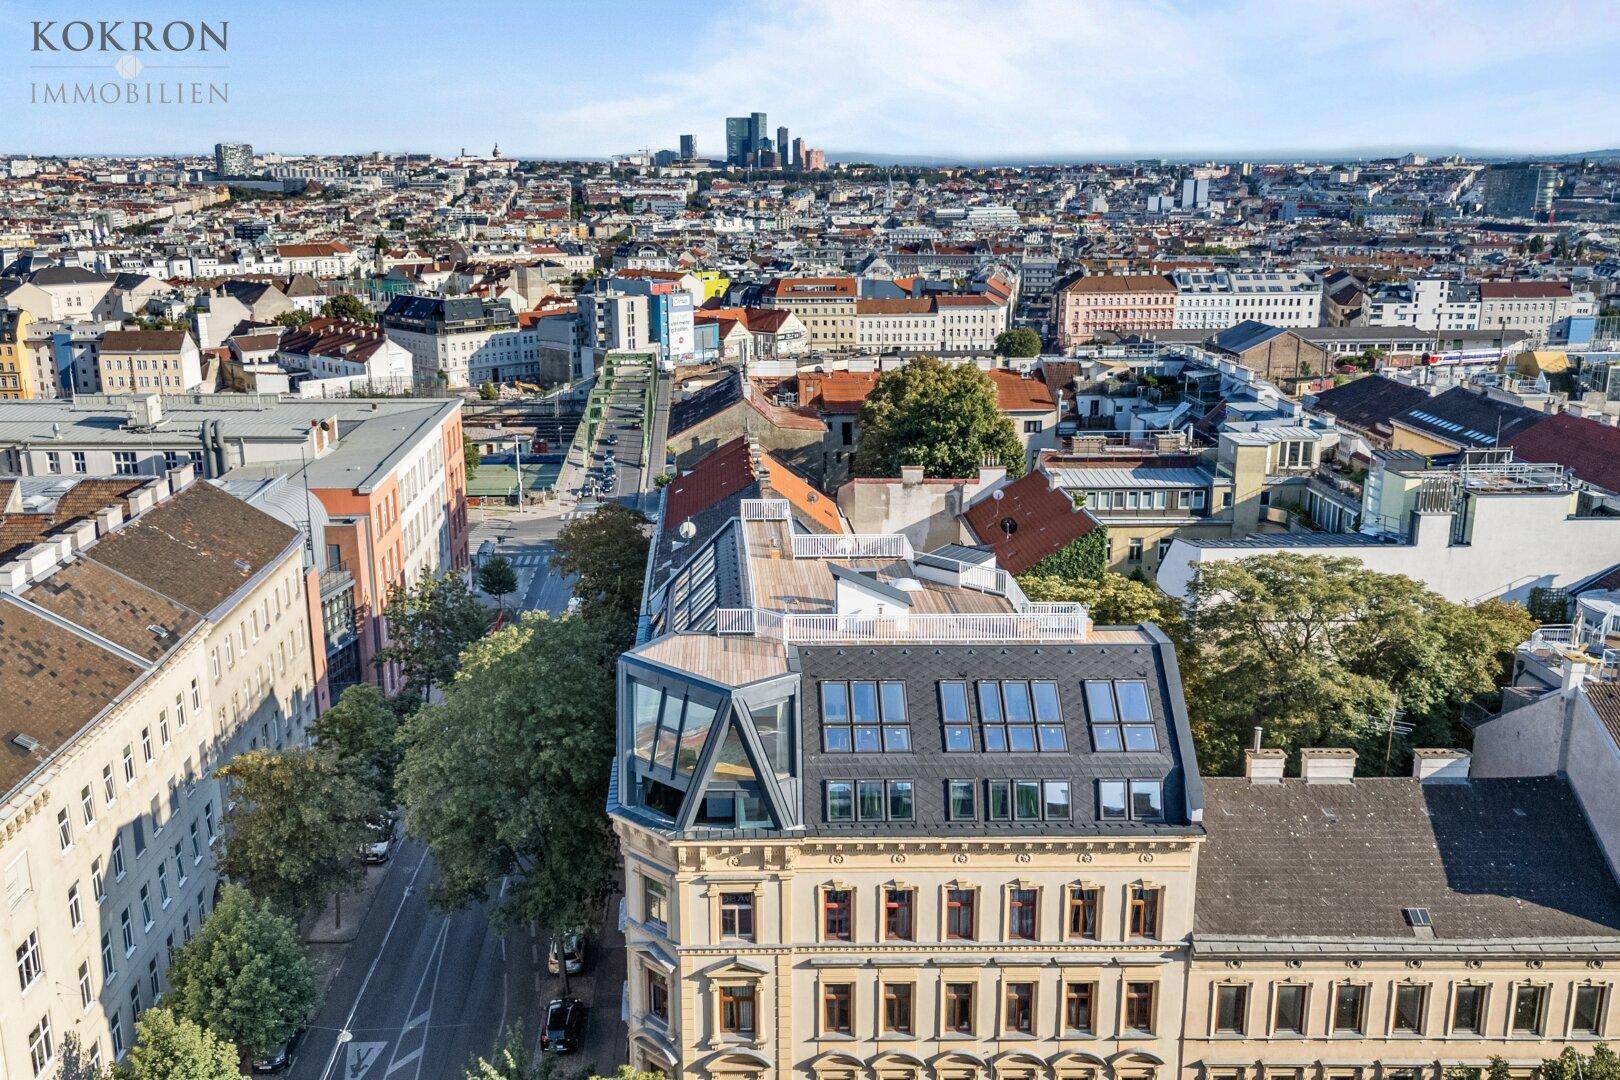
(1044, 81)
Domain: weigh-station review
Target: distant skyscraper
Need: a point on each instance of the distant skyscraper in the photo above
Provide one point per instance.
(1194, 193)
(815, 160)
(738, 140)
(798, 153)
(1518, 190)
(233, 159)
(688, 147)
(757, 134)
(782, 145)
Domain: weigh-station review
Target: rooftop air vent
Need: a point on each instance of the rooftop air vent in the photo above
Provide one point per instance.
(243, 565)
(26, 743)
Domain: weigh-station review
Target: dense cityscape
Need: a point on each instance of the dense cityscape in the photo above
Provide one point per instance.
(739, 609)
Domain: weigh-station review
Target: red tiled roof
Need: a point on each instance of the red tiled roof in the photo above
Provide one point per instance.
(722, 472)
(1585, 447)
(1120, 283)
(1043, 521)
(1523, 290)
(1015, 393)
(839, 392)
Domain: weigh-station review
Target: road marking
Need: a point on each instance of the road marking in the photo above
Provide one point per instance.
(406, 1060)
(362, 1056)
(331, 1061)
(413, 1022)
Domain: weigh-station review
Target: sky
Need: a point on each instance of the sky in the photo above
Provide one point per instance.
(950, 80)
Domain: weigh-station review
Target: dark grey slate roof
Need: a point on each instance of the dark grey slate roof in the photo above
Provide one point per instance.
(695, 408)
(1467, 417)
(922, 667)
(1243, 336)
(1490, 859)
(1370, 401)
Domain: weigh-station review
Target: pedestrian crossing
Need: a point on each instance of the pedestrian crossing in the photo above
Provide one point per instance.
(534, 559)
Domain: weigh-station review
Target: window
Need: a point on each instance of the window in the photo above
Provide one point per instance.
(86, 993)
(1055, 796)
(959, 800)
(866, 717)
(1079, 1000)
(1022, 924)
(999, 799)
(840, 800)
(1120, 716)
(1133, 551)
(152, 978)
(1027, 800)
(870, 805)
(137, 829)
(146, 745)
(64, 830)
(1588, 1019)
(124, 462)
(1007, 716)
(1231, 1009)
(129, 764)
(1144, 911)
(737, 1010)
(837, 909)
(1139, 1006)
(109, 792)
(1049, 716)
(838, 1009)
(29, 964)
(1290, 1010)
(959, 1008)
(87, 804)
(98, 884)
(108, 971)
(118, 858)
(75, 914)
(657, 995)
(1348, 1005)
(1084, 902)
(898, 998)
(953, 711)
(961, 909)
(899, 909)
(1021, 1008)
(146, 907)
(1409, 1009)
(737, 916)
(40, 1053)
(163, 883)
(78, 461)
(1527, 1009)
(901, 806)
(654, 903)
(1467, 1009)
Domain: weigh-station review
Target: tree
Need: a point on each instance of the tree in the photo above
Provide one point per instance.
(497, 577)
(429, 623)
(471, 455)
(359, 732)
(296, 821)
(488, 392)
(944, 417)
(293, 319)
(1020, 341)
(607, 551)
(244, 976)
(171, 1047)
(72, 1061)
(1111, 599)
(508, 774)
(1086, 557)
(1322, 651)
(1601, 1064)
(347, 306)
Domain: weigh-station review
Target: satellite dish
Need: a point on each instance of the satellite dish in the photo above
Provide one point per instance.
(686, 531)
(997, 495)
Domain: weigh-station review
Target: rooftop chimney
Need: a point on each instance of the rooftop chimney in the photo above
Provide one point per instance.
(911, 475)
(1327, 765)
(1431, 765)
(109, 518)
(1264, 766)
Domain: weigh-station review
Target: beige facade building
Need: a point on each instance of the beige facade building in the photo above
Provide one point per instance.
(826, 307)
(146, 361)
(153, 630)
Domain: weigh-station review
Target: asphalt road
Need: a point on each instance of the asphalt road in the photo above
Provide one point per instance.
(420, 993)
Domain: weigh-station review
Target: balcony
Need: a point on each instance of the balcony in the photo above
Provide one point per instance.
(335, 579)
(1034, 623)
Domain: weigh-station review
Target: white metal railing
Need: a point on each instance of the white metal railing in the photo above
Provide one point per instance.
(765, 510)
(966, 575)
(1552, 635)
(734, 620)
(881, 629)
(851, 546)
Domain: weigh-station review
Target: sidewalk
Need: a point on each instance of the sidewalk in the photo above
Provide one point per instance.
(606, 1043)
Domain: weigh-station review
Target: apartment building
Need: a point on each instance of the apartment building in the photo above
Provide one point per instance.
(148, 361)
(1531, 306)
(17, 370)
(389, 475)
(611, 320)
(347, 357)
(1085, 306)
(826, 307)
(1215, 299)
(940, 324)
(141, 653)
(460, 341)
(891, 819)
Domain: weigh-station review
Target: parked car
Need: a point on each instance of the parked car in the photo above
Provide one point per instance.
(565, 1023)
(379, 841)
(568, 951)
(279, 1057)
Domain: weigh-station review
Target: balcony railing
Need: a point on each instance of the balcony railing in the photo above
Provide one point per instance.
(765, 510)
(883, 629)
(964, 575)
(851, 546)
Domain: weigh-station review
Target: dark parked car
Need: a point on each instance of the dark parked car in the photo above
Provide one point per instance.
(565, 1023)
(279, 1057)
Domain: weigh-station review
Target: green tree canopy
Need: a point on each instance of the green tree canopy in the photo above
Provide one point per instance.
(1019, 342)
(1601, 1064)
(1086, 557)
(944, 417)
(429, 623)
(471, 456)
(607, 551)
(359, 733)
(498, 577)
(347, 306)
(1112, 599)
(296, 823)
(1321, 651)
(244, 976)
(508, 774)
(294, 318)
(170, 1047)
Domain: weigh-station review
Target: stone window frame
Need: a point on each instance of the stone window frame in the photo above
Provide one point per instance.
(1514, 988)
(762, 1034)
(1360, 1031)
(664, 879)
(1007, 889)
(943, 921)
(1021, 974)
(838, 977)
(1125, 909)
(1092, 976)
(1274, 996)
(1604, 1008)
(822, 890)
(1392, 996)
(1213, 1026)
(970, 975)
(1485, 987)
(714, 891)
(1102, 907)
(1127, 977)
(887, 977)
(883, 890)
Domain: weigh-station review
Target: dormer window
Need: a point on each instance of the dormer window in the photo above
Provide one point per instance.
(1120, 716)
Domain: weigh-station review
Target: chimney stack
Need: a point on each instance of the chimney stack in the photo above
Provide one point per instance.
(1327, 765)
(1264, 766)
(1431, 765)
(911, 475)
